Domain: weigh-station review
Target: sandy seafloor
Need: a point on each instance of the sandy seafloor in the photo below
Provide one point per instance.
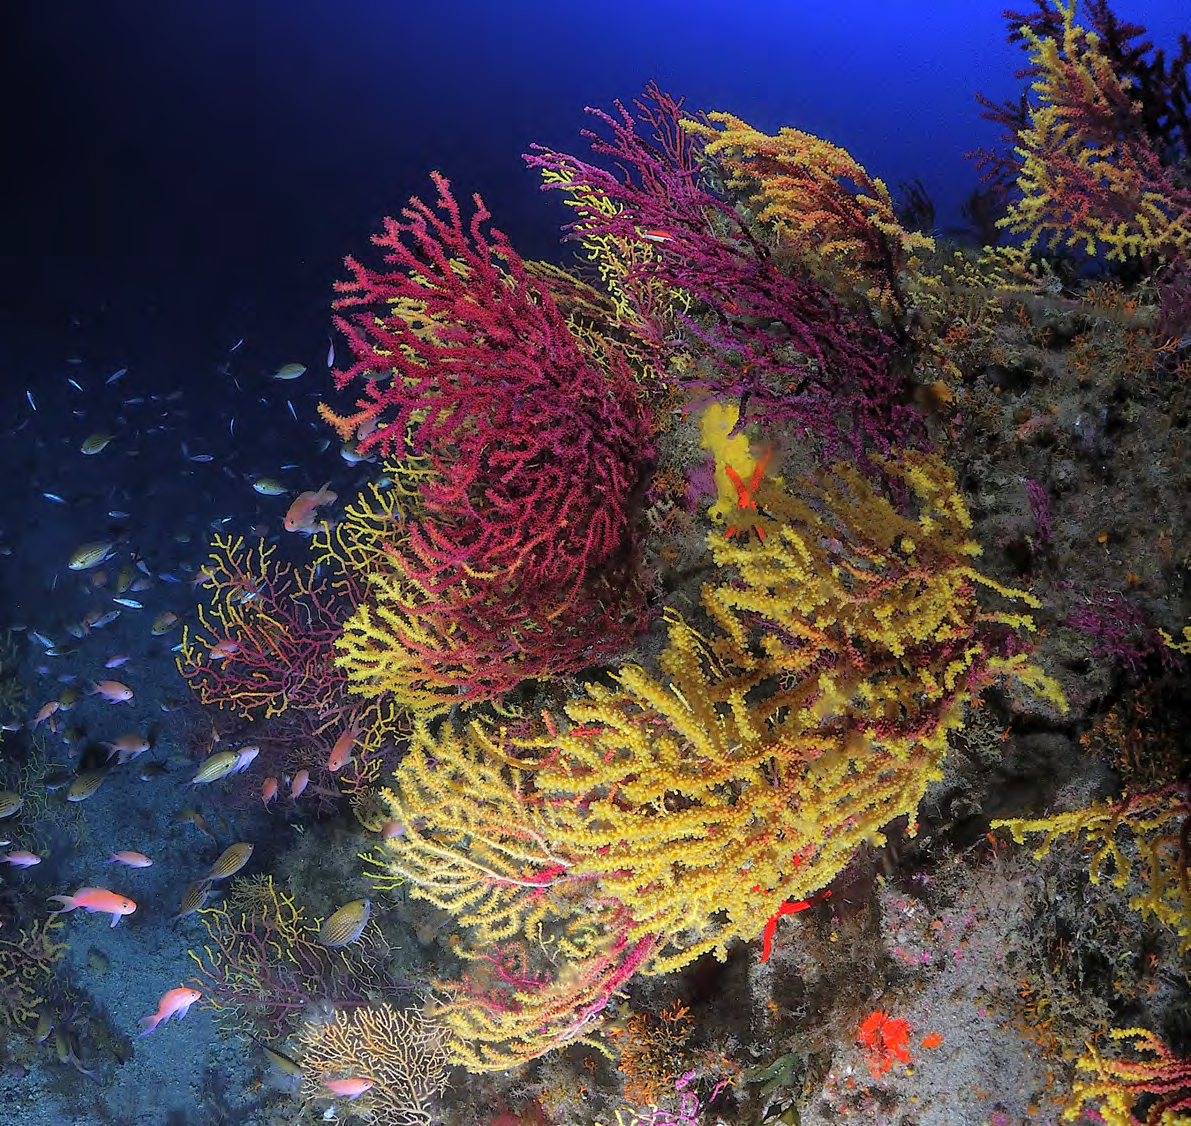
(184, 1071)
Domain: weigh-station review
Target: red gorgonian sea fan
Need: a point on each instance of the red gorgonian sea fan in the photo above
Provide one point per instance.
(533, 452)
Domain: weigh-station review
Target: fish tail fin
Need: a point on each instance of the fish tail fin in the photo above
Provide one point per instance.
(67, 901)
(150, 1023)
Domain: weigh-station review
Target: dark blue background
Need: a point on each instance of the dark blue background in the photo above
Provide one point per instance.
(183, 174)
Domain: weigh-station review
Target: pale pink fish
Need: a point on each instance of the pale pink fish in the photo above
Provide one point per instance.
(221, 650)
(130, 859)
(112, 691)
(300, 782)
(116, 661)
(21, 859)
(176, 1002)
(244, 758)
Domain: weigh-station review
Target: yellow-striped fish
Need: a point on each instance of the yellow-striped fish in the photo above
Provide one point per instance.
(346, 925)
(94, 443)
(90, 555)
(193, 898)
(10, 802)
(216, 766)
(85, 785)
(233, 858)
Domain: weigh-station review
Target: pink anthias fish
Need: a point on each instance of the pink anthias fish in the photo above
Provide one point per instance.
(341, 753)
(350, 1088)
(301, 514)
(300, 782)
(176, 1002)
(20, 859)
(96, 899)
(130, 859)
(112, 691)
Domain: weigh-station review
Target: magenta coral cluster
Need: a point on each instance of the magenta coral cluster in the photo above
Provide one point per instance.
(537, 453)
(780, 342)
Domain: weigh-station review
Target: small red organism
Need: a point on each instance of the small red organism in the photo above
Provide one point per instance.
(884, 1039)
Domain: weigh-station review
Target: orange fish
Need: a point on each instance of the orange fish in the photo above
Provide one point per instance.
(46, 711)
(96, 899)
(300, 517)
(21, 859)
(112, 691)
(175, 1002)
(341, 753)
(222, 650)
(127, 747)
(268, 790)
(299, 783)
(348, 1088)
(132, 859)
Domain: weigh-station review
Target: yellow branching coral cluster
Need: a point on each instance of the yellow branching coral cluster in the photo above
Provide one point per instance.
(370, 526)
(399, 1051)
(846, 644)
(821, 203)
(1157, 824)
(1106, 194)
(1117, 1085)
(27, 961)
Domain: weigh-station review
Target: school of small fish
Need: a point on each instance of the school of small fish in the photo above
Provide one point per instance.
(119, 588)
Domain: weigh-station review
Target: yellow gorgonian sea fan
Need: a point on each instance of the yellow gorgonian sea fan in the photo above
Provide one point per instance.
(821, 204)
(1088, 175)
(748, 769)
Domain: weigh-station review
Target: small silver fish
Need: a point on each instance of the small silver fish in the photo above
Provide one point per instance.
(116, 375)
(131, 603)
